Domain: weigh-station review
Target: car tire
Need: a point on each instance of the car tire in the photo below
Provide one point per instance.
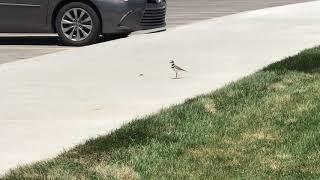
(78, 24)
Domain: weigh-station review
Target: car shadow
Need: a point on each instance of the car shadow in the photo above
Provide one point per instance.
(42, 40)
(30, 40)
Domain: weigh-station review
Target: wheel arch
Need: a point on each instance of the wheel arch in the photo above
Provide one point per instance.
(62, 3)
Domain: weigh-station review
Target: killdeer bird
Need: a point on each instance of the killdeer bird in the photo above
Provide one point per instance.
(176, 68)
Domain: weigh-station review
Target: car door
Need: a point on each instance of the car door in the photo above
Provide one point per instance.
(23, 15)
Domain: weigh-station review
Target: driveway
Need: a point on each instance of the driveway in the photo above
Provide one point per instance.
(22, 46)
(58, 100)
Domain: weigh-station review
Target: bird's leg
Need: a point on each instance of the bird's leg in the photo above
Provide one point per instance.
(176, 75)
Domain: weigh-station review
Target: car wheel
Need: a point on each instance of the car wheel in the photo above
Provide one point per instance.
(78, 24)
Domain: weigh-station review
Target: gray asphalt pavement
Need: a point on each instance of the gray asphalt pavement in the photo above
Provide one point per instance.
(22, 46)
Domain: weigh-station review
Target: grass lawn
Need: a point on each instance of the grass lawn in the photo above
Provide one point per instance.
(266, 125)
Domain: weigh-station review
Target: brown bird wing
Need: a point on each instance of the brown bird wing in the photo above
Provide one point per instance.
(179, 68)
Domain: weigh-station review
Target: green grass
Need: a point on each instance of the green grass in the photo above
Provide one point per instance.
(266, 125)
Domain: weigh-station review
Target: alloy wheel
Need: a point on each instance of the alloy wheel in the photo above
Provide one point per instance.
(76, 24)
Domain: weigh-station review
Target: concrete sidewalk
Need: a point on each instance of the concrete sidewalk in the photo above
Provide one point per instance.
(58, 100)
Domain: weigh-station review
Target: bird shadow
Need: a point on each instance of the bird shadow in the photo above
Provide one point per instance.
(177, 78)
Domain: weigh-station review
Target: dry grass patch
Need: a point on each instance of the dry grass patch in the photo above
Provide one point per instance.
(209, 105)
(252, 136)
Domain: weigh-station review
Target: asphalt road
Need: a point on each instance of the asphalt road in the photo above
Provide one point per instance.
(22, 46)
